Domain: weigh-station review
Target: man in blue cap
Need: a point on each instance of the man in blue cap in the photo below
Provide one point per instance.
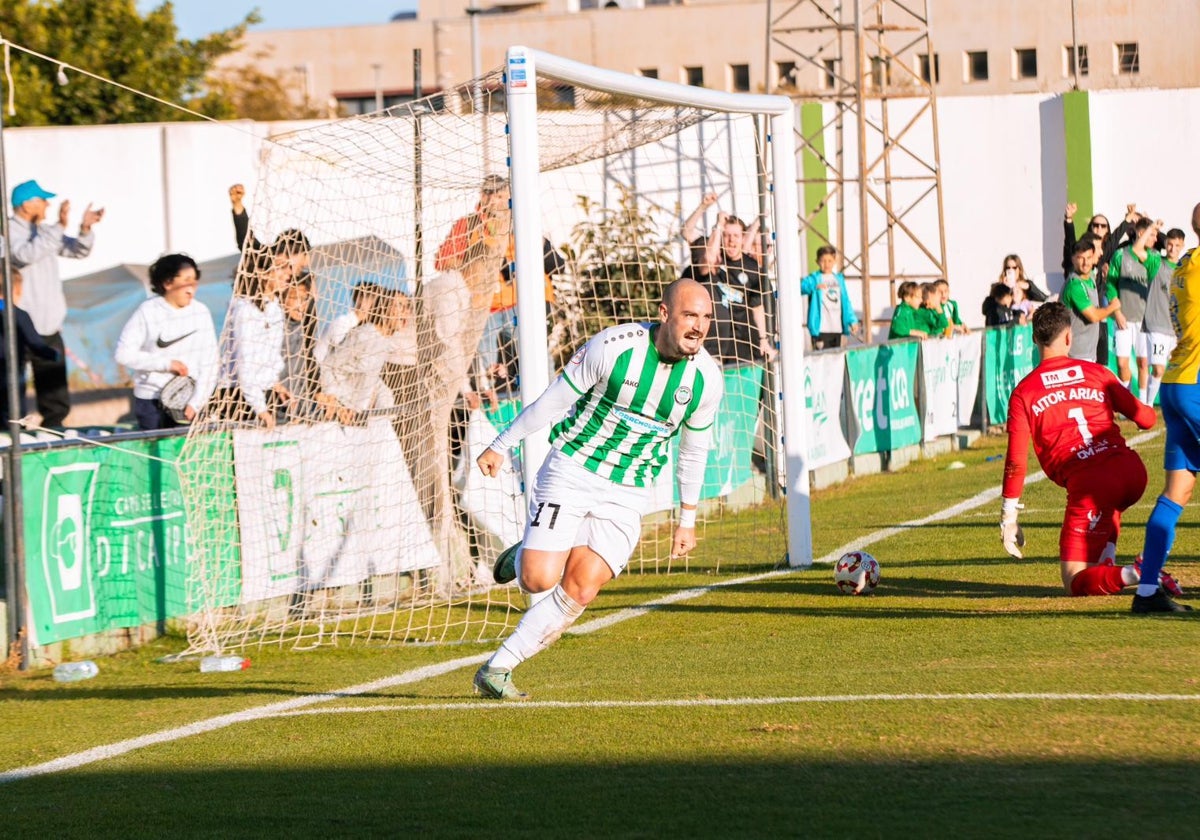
(36, 247)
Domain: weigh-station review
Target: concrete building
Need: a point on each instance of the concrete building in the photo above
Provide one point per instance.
(1020, 46)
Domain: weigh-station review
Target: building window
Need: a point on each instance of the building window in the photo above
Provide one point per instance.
(881, 71)
(923, 67)
(1069, 60)
(648, 72)
(739, 78)
(1127, 59)
(976, 66)
(693, 76)
(786, 73)
(829, 76)
(1025, 64)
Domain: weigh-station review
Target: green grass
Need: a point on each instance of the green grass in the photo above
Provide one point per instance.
(952, 616)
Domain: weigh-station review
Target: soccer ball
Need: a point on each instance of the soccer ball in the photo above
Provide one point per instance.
(856, 573)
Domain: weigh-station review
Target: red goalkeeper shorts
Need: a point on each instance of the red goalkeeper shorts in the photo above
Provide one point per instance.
(1096, 495)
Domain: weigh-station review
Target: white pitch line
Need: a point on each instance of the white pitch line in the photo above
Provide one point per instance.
(488, 706)
(103, 753)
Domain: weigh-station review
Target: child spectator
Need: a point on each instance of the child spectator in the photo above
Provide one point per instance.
(362, 299)
(905, 320)
(170, 335)
(28, 341)
(351, 372)
(998, 309)
(1083, 301)
(950, 307)
(253, 351)
(930, 315)
(300, 376)
(830, 313)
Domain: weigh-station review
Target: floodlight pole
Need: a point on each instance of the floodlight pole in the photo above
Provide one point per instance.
(14, 542)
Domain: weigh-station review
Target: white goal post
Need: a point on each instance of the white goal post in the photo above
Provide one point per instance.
(523, 68)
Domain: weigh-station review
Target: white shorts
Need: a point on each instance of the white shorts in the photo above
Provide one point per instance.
(1128, 339)
(1160, 346)
(571, 505)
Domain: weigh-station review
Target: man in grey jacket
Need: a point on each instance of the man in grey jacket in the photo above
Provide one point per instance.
(36, 247)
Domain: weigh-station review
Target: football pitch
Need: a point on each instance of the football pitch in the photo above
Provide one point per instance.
(967, 697)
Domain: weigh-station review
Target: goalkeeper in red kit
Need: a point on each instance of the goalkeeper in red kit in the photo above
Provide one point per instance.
(1066, 407)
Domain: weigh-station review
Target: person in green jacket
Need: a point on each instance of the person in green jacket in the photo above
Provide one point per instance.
(931, 316)
(906, 323)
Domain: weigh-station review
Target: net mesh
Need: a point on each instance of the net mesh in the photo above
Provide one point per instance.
(369, 355)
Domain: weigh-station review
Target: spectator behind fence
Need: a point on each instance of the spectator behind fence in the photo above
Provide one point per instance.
(171, 335)
(351, 372)
(252, 353)
(728, 264)
(291, 244)
(830, 313)
(29, 342)
(1013, 275)
(1083, 301)
(301, 378)
(950, 307)
(906, 323)
(930, 316)
(36, 247)
(470, 238)
(998, 310)
(362, 301)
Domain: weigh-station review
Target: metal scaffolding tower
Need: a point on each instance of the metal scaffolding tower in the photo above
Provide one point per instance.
(862, 71)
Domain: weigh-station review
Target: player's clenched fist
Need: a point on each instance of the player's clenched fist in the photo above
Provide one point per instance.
(489, 462)
(684, 541)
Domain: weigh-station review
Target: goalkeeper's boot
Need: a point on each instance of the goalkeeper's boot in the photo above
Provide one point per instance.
(1159, 602)
(505, 570)
(1165, 580)
(497, 684)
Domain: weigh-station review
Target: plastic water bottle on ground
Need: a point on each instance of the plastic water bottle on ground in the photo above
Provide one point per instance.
(76, 671)
(211, 664)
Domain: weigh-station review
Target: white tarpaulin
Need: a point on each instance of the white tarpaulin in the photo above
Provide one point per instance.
(949, 383)
(970, 353)
(325, 505)
(824, 383)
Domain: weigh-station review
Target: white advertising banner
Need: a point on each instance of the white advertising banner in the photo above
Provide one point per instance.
(325, 505)
(939, 386)
(495, 505)
(970, 356)
(824, 384)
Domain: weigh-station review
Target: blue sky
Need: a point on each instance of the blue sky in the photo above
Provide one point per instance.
(197, 18)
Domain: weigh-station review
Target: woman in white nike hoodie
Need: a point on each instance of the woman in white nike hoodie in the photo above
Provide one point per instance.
(169, 335)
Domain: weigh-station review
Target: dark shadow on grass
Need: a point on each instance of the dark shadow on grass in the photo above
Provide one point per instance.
(95, 690)
(740, 795)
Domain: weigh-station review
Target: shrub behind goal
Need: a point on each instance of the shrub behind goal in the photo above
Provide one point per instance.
(361, 514)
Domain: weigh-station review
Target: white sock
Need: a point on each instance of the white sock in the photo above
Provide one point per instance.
(539, 628)
(1146, 590)
(1152, 389)
(1129, 575)
(1128, 383)
(1109, 552)
(1144, 393)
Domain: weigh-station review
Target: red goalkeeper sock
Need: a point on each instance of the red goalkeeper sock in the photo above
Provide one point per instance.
(1098, 580)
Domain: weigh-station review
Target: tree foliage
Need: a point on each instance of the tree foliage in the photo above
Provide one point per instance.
(622, 263)
(112, 39)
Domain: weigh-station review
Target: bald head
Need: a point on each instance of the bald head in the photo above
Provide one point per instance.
(1196, 219)
(679, 289)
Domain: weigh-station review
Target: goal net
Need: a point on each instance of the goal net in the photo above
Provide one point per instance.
(411, 277)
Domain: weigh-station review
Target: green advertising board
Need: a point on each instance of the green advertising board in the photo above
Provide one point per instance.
(1007, 359)
(106, 537)
(882, 396)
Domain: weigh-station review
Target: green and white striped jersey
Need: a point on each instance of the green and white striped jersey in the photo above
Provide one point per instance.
(632, 403)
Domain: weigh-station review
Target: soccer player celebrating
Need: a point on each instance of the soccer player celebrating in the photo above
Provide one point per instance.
(615, 407)
(1066, 406)
(1180, 398)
